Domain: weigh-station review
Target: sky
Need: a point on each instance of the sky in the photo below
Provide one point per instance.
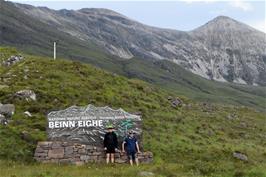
(180, 15)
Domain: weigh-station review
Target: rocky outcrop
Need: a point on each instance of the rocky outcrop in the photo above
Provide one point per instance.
(26, 94)
(6, 112)
(78, 154)
(12, 60)
(240, 156)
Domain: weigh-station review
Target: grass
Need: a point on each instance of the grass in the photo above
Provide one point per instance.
(195, 139)
(14, 169)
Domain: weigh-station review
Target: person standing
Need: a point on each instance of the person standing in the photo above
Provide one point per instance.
(132, 147)
(110, 144)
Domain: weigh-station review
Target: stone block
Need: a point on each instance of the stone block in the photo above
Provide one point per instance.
(84, 157)
(39, 154)
(96, 153)
(82, 151)
(39, 150)
(69, 150)
(56, 145)
(44, 144)
(56, 153)
(89, 147)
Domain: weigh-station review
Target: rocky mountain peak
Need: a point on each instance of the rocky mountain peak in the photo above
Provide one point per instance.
(225, 24)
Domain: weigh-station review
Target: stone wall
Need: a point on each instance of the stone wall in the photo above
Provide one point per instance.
(75, 153)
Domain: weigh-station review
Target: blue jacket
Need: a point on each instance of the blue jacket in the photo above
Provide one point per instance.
(130, 143)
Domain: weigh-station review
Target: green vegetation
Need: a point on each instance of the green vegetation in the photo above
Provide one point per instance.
(11, 169)
(195, 139)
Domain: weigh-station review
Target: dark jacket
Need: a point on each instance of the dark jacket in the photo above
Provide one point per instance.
(110, 140)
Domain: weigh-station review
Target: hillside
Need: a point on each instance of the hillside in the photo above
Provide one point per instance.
(223, 49)
(194, 139)
(37, 39)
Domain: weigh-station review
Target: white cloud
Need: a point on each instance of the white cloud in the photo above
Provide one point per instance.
(259, 25)
(245, 6)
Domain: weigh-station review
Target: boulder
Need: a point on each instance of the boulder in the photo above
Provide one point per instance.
(240, 156)
(7, 110)
(12, 60)
(26, 94)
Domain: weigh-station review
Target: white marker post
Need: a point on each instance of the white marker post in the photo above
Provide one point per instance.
(54, 50)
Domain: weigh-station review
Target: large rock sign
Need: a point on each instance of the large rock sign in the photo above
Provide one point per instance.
(87, 125)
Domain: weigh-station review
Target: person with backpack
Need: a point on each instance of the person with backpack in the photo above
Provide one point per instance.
(110, 144)
(132, 147)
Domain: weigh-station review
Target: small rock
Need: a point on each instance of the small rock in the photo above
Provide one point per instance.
(27, 94)
(243, 125)
(27, 113)
(175, 102)
(240, 156)
(145, 173)
(25, 135)
(170, 98)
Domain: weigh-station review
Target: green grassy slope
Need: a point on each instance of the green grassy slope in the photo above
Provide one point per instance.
(193, 140)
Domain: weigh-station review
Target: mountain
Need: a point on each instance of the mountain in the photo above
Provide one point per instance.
(236, 52)
(193, 139)
(223, 49)
(27, 28)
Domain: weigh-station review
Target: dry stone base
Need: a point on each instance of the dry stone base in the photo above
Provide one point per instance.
(78, 154)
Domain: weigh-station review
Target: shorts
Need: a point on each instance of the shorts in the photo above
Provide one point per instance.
(131, 155)
(110, 150)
